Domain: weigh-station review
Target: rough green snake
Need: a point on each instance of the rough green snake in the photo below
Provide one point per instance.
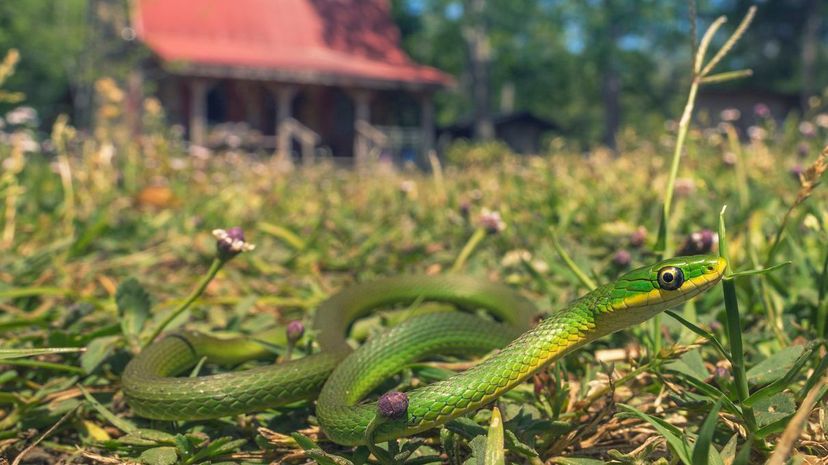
(348, 376)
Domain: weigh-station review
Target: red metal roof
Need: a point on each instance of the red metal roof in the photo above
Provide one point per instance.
(328, 38)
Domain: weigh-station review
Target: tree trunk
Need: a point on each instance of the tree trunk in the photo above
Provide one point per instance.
(810, 43)
(480, 57)
(610, 80)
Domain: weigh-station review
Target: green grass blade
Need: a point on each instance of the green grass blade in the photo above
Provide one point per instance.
(702, 449)
(7, 354)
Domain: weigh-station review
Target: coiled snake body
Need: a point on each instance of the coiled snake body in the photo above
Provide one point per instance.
(345, 376)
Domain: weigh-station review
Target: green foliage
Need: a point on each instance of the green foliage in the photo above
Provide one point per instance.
(133, 307)
(467, 153)
(50, 37)
(319, 228)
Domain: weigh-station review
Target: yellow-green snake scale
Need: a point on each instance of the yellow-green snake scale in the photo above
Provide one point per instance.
(345, 376)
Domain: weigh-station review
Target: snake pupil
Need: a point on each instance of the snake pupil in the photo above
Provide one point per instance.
(670, 278)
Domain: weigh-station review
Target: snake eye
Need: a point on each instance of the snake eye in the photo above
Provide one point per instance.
(670, 278)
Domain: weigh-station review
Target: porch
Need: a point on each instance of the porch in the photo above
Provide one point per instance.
(303, 122)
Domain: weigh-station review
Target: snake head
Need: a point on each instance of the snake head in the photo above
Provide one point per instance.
(646, 291)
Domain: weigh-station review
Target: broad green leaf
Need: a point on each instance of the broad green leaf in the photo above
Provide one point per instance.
(159, 456)
(478, 451)
(494, 440)
(157, 436)
(783, 382)
(133, 306)
(690, 364)
(96, 352)
(775, 366)
(774, 408)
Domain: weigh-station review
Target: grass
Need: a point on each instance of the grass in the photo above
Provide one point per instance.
(105, 238)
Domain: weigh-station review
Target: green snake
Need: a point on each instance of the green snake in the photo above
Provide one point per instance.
(345, 376)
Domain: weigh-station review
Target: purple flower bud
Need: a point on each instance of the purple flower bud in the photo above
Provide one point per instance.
(803, 149)
(796, 171)
(393, 404)
(761, 110)
(700, 242)
(730, 158)
(807, 129)
(622, 258)
(295, 330)
(638, 237)
(231, 242)
(491, 221)
(465, 207)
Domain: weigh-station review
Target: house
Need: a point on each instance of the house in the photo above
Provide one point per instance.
(522, 131)
(753, 106)
(321, 76)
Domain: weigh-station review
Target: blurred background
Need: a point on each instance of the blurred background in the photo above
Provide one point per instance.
(394, 79)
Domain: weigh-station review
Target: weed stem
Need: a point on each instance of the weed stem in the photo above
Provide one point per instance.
(195, 294)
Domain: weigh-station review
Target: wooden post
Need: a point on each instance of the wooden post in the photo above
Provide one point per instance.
(284, 109)
(362, 115)
(198, 111)
(426, 125)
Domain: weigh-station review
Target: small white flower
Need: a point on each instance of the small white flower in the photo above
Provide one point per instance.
(807, 129)
(22, 115)
(756, 133)
(730, 114)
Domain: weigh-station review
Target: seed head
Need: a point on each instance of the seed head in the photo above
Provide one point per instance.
(699, 242)
(761, 110)
(730, 114)
(622, 258)
(295, 330)
(491, 221)
(807, 129)
(638, 237)
(393, 404)
(231, 242)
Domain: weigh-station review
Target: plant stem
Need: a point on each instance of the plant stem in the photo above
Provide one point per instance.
(734, 330)
(195, 294)
(471, 244)
(822, 302)
(585, 280)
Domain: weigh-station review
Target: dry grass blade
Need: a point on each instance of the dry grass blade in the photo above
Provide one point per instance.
(43, 436)
(794, 428)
